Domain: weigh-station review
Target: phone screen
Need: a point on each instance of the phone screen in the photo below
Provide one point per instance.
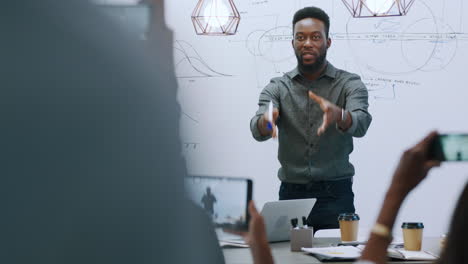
(450, 147)
(224, 199)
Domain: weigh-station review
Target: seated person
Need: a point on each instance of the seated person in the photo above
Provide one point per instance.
(412, 169)
(91, 165)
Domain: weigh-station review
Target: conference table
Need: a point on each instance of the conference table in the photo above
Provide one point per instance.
(283, 255)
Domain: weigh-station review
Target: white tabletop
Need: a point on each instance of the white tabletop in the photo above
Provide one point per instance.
(283, 255)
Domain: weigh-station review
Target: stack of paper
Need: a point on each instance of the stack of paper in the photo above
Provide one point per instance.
(410, 255)
(334, 253)
(237, 244)
(351, 253)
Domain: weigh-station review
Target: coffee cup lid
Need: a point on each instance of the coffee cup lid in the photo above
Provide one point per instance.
(412, 225)
(348, 217)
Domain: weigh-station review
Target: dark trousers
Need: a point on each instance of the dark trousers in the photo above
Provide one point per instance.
(333, 198)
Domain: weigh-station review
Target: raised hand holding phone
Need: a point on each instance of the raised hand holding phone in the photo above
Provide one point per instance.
(450, 147)
(224, 199)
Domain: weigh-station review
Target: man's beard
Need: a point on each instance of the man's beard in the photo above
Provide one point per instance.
(314, 67)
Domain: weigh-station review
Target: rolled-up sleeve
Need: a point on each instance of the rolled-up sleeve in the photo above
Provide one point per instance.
(269, 93)
(357, 103)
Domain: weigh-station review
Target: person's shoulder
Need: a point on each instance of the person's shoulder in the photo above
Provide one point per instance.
(350, 81)
(284, 79)
(343, 74)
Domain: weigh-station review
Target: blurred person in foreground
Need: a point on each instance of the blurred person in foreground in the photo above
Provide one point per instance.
(412, 169)
(89, 142)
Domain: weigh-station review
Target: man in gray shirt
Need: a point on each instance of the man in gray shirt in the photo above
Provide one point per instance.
(317, 110)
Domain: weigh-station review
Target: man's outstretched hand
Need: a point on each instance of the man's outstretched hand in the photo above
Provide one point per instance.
(331, 112)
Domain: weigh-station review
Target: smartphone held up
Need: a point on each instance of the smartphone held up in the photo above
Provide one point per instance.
(224, 199)
(449, 147)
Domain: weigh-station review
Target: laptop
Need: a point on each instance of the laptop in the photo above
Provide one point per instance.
(277, 216)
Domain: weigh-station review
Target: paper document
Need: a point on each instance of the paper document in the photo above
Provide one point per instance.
(351, 253)
(334, 253)
(233, 244)
(410, 255)
(400, 253)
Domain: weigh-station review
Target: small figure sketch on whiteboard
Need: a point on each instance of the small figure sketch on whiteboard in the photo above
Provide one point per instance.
(190, 145)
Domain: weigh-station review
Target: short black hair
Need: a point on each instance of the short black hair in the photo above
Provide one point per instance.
(312, 12)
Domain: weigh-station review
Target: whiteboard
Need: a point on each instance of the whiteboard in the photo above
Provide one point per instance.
(413, 67)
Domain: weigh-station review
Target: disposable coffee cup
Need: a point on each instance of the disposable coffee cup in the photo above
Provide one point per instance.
(349, 225)
(412, 235)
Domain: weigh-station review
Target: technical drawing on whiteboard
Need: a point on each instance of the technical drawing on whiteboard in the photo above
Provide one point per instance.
(420, 41)
(388, 89)
(190, 117)
(268, 49)
(270, 44)
(189, 64)
(188, 124)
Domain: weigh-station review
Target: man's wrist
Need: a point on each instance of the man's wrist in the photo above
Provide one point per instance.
(343, 119)
(344, 115)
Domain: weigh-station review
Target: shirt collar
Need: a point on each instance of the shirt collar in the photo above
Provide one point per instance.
(330, 71)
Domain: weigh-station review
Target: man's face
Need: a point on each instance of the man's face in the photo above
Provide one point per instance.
(310, 44)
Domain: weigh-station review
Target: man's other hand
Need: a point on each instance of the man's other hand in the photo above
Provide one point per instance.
(331, 112)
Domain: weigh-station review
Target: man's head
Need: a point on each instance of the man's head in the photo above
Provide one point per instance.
(312, 12)
(310, 38)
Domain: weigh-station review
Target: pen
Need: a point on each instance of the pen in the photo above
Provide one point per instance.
(270, 115)
(294, 223)
(304, 222)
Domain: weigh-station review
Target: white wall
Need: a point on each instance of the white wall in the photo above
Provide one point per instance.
(414, 67)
